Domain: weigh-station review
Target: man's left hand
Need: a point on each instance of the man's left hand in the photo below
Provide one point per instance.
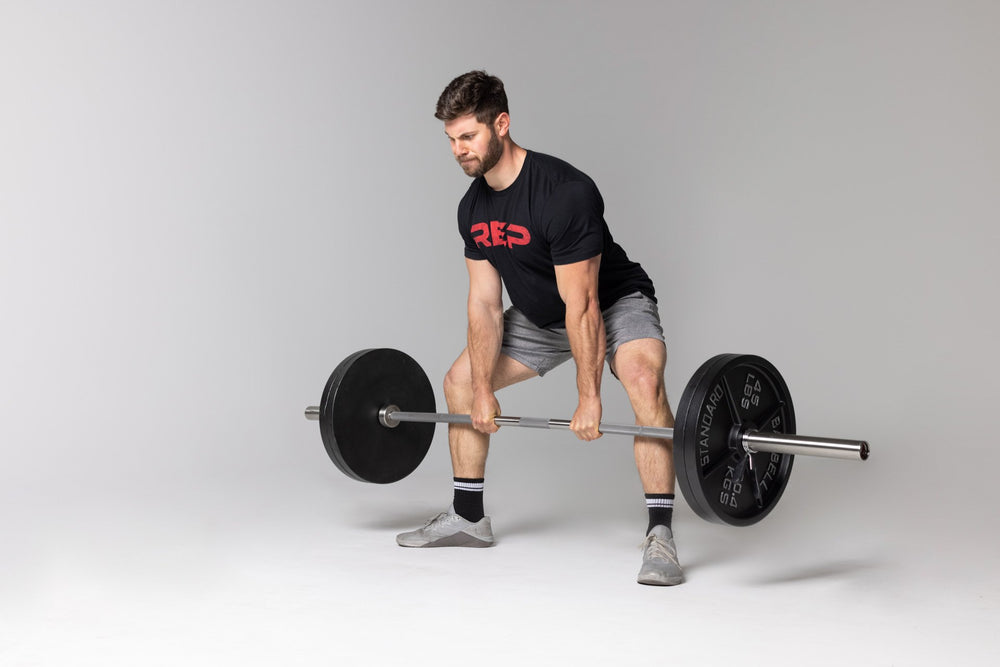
(587, 419)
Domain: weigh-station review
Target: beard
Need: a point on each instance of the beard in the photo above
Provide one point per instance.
(476, 167)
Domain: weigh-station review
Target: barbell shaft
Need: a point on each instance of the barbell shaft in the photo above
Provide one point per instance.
(528, 422)
(753, 441)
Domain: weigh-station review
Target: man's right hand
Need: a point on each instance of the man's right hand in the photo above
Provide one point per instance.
(484, 408)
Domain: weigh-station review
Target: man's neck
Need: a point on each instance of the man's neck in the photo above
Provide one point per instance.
(505, 171)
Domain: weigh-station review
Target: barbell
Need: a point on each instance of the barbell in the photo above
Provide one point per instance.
(734, 434)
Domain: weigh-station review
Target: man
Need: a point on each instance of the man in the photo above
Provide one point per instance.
(535, 224)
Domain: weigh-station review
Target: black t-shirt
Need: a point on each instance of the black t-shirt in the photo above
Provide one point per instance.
(551, 214)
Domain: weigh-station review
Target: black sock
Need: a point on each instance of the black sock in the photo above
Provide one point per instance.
(469, 498)
(661, 509)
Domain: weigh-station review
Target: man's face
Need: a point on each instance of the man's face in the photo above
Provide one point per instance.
(476, 146)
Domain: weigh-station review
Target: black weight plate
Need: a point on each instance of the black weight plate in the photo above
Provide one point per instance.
(728, 394)
(356, 441)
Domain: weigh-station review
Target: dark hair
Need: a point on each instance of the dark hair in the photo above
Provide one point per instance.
(475, 92)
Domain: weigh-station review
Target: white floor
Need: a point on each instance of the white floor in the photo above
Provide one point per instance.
(284, 571)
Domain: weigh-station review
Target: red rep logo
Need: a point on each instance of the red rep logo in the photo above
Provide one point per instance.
(498, 233)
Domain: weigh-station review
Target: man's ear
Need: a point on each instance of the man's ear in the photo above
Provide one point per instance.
(502, 124)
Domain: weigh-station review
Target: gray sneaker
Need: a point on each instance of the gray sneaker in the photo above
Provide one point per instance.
(448, 529)
(659, 559)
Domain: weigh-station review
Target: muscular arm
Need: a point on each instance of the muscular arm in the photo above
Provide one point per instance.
(484, 339)
(577, 284)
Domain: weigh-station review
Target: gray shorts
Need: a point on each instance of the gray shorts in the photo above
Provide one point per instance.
(630, 318)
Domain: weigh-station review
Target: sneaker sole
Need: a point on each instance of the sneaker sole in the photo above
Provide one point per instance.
(456, 540)
(653, 580)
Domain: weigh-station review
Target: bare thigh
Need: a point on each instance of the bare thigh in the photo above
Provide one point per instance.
(508, 371)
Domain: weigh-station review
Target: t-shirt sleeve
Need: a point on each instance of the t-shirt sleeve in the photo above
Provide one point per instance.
(574, 218)
(472, 250)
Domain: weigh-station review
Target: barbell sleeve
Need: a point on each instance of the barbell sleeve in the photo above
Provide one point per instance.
(787, 443)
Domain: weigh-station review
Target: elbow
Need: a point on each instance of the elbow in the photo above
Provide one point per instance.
(488, 310)
(583, 306)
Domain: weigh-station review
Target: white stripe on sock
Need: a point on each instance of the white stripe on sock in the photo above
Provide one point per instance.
(469, 486)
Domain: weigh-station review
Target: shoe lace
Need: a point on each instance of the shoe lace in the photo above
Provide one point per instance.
(659, 549)
(444, 518)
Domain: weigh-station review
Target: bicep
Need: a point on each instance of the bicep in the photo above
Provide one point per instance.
(485, 286)
(577, 282)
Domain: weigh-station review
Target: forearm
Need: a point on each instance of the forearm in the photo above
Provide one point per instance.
(485, 336)
(585, 329)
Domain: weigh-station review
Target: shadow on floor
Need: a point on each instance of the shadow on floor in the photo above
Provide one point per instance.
(842, 569)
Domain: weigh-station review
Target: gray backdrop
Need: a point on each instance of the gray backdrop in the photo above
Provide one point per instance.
(205, 206)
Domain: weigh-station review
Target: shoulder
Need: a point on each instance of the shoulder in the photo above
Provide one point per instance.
(558, 170)
(563, 181)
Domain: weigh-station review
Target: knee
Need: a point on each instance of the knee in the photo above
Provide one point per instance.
(644, 385)
(458, 388)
